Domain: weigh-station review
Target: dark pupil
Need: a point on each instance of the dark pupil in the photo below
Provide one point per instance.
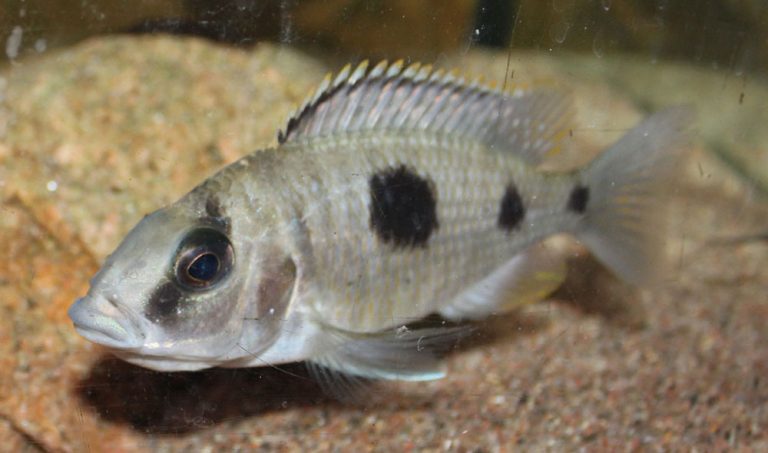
(204, 267)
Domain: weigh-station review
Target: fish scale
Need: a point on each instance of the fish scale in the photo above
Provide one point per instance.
(442, 266)
(394, 192)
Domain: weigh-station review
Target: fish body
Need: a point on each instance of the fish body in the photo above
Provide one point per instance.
(394, 193)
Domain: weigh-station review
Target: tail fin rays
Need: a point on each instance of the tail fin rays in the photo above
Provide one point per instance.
(624, 221)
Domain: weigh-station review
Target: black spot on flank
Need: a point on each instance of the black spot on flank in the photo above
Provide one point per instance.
(579, 198)
(512, 210)
(163, 306)
(403, 207)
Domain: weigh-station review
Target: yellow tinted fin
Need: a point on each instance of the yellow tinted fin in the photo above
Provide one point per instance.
(526, 278)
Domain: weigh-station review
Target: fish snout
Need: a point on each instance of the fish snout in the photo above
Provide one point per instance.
(101, 321)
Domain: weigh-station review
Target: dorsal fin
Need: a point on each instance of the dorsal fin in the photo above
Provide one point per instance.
(527, 122)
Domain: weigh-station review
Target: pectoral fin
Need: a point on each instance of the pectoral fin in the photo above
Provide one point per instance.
(394, 354)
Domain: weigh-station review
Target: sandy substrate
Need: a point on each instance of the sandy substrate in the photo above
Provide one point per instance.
(93, 137)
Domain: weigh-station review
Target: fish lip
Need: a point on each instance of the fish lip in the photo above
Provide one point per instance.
(94, 319)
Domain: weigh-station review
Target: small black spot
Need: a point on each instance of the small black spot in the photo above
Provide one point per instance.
(164, 303)
(512, 209)
(215, 214)
(213, 207)
(403, 207)
(577, 201)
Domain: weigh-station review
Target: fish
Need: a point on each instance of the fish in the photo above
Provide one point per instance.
(394, 192)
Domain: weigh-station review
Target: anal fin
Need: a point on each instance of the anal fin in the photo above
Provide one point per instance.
(526, 278)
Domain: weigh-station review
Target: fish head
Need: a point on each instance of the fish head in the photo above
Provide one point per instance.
(183, 292)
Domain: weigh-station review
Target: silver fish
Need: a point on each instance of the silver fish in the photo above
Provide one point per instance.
(395, 192)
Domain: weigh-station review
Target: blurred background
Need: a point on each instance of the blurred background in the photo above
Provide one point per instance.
(728, 35)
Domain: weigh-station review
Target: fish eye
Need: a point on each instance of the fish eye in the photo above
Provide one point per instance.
(205, 257)
(204, 267)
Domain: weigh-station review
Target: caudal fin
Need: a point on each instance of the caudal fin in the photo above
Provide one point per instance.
(625, 196)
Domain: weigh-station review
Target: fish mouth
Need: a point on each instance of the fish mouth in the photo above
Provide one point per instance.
(101, 321)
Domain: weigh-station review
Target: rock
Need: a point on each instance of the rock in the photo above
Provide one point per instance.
(83, 138)
(95, 136)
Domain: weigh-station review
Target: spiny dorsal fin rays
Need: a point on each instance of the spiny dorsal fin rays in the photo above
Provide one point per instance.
(527, 122)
